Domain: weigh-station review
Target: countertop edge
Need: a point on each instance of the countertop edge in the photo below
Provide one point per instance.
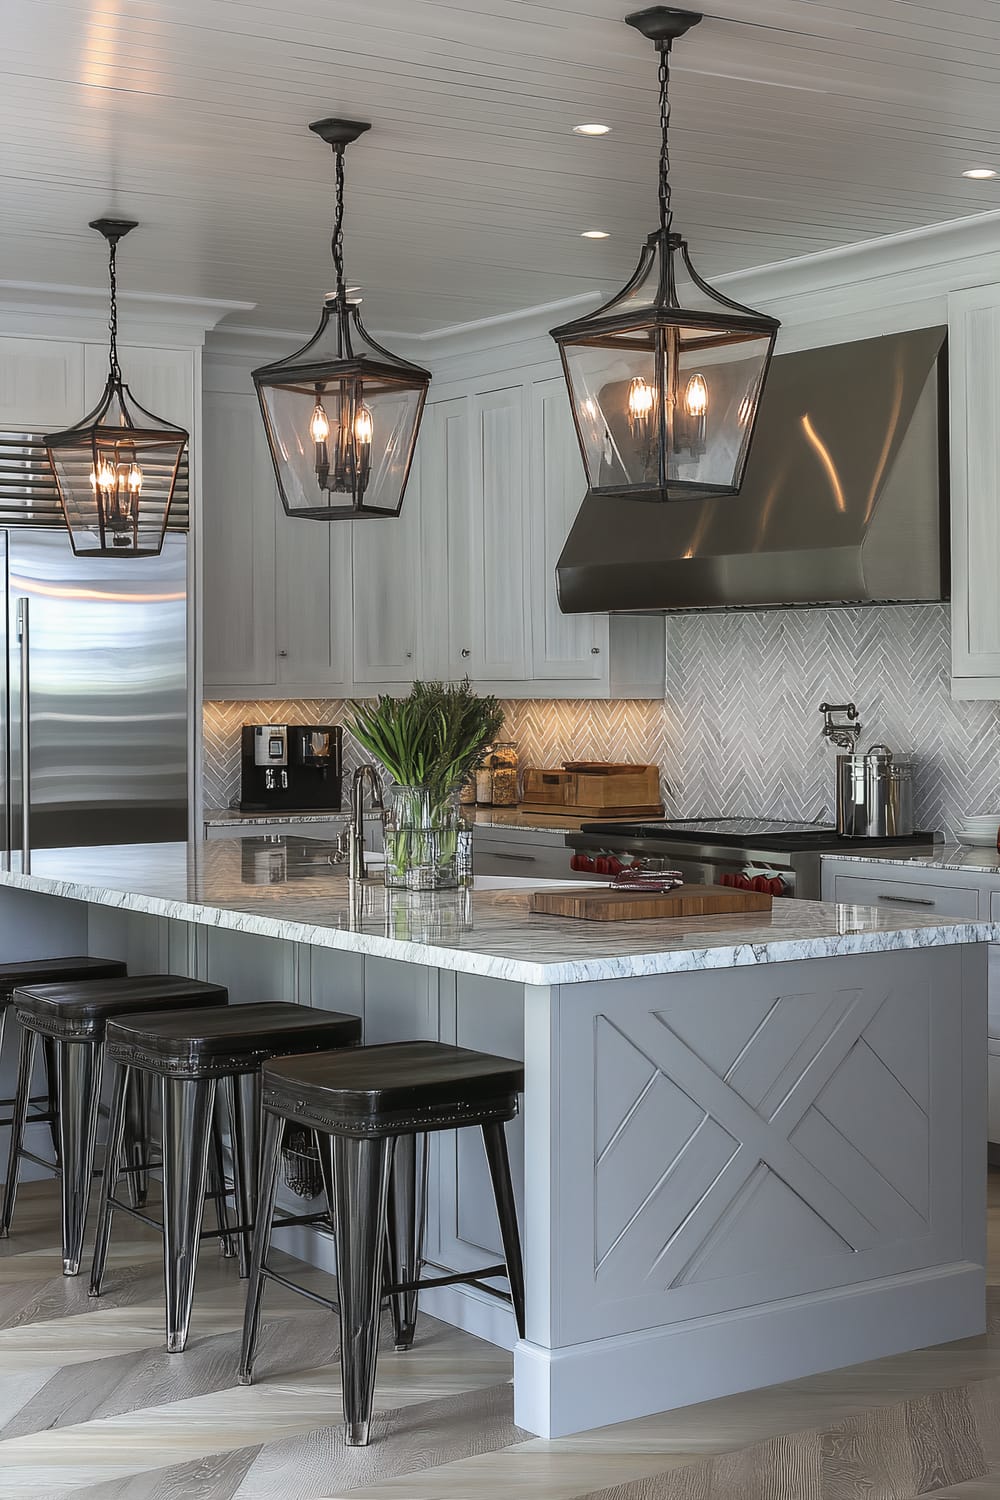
(521, 971)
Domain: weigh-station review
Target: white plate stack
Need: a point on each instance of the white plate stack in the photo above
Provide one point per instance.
(981, 829)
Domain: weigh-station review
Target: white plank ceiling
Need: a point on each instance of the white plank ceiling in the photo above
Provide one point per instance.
(799, 125)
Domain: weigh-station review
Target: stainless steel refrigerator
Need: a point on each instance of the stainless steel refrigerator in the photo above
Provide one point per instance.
(93, 694)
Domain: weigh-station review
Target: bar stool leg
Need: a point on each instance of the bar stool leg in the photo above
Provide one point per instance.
(187, 1136)
(138, 1128)
(360, 1174)
(78, 1068)
(407, 1197)
(52, 1092)
(216, 1184)
(25, 1066)
(495, 1140)
(122, 1086)
(270, 1169)
(244, 1106)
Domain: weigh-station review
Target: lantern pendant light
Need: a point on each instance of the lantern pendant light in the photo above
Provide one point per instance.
(665, 379)
(116, 470)
(342, 413)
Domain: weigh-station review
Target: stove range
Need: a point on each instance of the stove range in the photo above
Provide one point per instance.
(729, 851)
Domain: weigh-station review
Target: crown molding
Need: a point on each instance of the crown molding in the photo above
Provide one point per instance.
(908, 266)
(47, 310)
(243, 344)
(914, 266)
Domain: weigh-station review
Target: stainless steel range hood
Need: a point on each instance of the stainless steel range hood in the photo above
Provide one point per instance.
(844, 501)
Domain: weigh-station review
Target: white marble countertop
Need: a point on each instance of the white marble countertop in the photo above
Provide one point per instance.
(291, 891)
(973, 859)
(479, 817)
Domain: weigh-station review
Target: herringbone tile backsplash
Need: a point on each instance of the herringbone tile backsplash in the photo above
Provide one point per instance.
(743, 693)
(739, 734)
(547, 733)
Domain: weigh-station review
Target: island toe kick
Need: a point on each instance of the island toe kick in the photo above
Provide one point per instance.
(760, 1154)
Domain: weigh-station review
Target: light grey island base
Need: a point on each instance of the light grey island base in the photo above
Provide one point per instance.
(751, 1147)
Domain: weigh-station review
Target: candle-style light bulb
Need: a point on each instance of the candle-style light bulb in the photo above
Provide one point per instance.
(319, 427)
(640, 399)
(696, 396)
(363, 425)
(134, 479)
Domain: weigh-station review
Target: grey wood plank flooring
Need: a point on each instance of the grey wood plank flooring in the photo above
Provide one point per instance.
(92, 1408)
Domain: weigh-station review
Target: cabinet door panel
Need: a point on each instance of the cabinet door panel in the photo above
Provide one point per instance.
(239, 508)
(974, 341)
(41, 384)
(387, 578)
(313, 604)
(445, 612)
(488, 629)
(563, 646)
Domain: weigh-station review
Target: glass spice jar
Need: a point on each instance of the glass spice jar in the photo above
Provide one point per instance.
(504, 766)
(484, 784)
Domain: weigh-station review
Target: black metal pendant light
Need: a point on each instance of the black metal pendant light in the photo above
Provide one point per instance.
(665, 379)
(341, 413)
(116, 470)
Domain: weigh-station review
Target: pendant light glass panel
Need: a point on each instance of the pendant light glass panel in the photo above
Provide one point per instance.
(341, 429)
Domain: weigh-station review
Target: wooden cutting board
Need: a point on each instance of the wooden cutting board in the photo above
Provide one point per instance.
(642, 906)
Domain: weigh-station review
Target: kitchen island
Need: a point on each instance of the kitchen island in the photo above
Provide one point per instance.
(752, 1146)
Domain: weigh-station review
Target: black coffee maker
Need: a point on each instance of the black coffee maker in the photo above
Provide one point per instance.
(291, 768)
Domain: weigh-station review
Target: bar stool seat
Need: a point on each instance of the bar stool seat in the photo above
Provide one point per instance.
(48, 971)
(72, 1017)
(394, 1086)
(206, 1044)
(190, 1051)
(368, 1107)
(81, 1012)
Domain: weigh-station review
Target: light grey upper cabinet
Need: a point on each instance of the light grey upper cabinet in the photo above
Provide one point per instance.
(41, 384)
(974, 381)
(564, 647)
(312, 607)
(488, 628)
(461, 583)
(388, 578)
(238, 508)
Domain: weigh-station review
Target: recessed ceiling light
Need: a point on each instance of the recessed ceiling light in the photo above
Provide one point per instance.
(594, 234)
(591, 129)
(980, 173)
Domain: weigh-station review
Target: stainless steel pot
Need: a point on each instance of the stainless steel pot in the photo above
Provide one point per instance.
(874, 794)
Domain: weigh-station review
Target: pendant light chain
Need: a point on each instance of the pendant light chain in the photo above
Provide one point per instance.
(666, 213)
(337, 243)
(116, 373)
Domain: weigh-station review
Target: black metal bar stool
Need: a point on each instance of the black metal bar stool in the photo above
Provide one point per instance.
(73, 1017)
(364, 1105)
(189, 1052)
(47, 971)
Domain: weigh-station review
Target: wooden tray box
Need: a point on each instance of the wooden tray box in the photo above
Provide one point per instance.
(594, 789)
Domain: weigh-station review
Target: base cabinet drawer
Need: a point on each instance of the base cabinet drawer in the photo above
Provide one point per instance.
(523, 859)
(898, 895)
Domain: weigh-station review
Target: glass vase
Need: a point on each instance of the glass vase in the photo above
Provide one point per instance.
(423, 837)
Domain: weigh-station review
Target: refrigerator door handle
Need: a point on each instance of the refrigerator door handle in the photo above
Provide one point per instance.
(24, 638)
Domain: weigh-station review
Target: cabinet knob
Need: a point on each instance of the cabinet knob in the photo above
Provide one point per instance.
(466, 653)
(595, 650)
(282, 653)
(409, 656)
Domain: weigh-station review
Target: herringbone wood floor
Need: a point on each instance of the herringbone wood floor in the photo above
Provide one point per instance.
(92, 1408)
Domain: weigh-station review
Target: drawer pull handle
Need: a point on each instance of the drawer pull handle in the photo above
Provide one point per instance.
(908, 900)
(529, 859)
